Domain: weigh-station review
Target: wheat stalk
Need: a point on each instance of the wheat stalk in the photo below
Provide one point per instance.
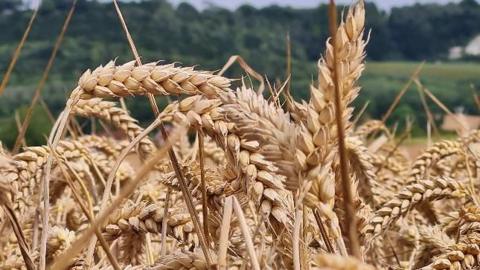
(319, 120)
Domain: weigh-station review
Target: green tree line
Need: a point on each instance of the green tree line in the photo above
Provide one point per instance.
(209, 37)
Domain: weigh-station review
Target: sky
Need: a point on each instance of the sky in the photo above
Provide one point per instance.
(232, 4)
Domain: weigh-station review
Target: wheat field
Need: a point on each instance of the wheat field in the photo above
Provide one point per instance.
(242, 179)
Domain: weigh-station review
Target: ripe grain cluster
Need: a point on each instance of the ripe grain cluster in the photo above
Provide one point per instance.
(251, 183)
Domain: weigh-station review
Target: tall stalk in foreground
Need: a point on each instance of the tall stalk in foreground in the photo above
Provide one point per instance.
(350, 219)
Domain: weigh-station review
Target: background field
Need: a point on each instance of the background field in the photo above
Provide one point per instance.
(452, 83)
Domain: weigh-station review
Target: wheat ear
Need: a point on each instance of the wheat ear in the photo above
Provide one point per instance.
(226, 125)
(412, 195)
(127, 80)
(110, 113)
(320, 118)
(31, 163)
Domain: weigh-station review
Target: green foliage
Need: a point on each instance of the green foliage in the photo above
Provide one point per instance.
(37, 132)
(210, 36)
(7, 6)
(451, 83)
(428, 31)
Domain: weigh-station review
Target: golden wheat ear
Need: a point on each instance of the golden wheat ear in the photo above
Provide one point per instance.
(119, 118)
(410, 196)
(320, 131)
(128, 80)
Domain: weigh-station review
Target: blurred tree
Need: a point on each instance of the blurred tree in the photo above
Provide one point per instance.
(37, 132)
(7, 6)
(469, 3)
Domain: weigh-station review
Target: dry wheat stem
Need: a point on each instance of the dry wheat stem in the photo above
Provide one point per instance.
(225, 229)
(442, 106)
(43, 243)
(41, 84)
(203, 185)
(402, 92)
(82, 241)
(162, 129)
(247, 68)
(339, 88)
(16, 54)
(87, 211)
(246, 233)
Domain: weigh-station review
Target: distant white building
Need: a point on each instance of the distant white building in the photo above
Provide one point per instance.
(473, 47)
(455, 53)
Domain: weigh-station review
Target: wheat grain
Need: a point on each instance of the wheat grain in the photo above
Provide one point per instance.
(410, 196)
(108, 112)
(361, 164)
(127, 79)
(237, 136)
(59, 239)
(320, 118)
(371, 127)
(30, 166)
